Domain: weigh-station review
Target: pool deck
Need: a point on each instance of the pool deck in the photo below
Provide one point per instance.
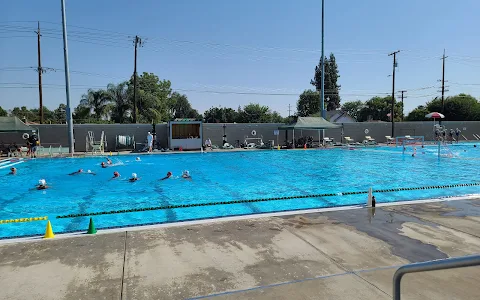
(348, 254)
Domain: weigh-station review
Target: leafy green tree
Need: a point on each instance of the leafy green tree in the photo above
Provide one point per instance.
(275, 117)
(3, 113)
(332, 88)
(98, 101)
(180, 107)
(353, 108)
(379, 108)
(418, 114)
(82, 113)
(61, 113)
(153, 101)
(255, 113)
(119, 107)
(308, 103)
(221, 115)
(24, 114)
(461, 107)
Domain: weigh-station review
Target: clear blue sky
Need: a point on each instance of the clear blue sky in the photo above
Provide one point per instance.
(262, 46)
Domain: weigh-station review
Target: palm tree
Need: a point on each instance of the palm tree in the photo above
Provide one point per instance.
(118, 95)
(98, 101)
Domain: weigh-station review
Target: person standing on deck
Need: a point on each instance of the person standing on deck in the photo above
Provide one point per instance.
(149, 141)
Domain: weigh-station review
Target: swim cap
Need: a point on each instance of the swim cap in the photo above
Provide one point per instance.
(42, 182)
(169, 173)
(116, 173)
(88, 171)
(138, 158)
(134, 175)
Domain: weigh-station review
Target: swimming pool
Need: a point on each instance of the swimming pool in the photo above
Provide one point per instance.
(223, 177)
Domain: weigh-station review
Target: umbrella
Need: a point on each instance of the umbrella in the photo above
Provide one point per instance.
(435, 115)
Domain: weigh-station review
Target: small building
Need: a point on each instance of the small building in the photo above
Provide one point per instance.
(185, 134)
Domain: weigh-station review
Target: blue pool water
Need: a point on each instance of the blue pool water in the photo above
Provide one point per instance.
(223, 177)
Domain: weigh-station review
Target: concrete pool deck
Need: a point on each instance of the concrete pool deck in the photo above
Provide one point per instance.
(349, 254)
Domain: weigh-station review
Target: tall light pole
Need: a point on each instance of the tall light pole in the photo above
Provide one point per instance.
(322, 92)
(67, 82)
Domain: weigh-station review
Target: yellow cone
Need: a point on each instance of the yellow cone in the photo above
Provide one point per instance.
(49, 232)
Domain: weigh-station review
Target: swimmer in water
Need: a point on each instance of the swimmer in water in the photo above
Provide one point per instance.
(13, 171)
(115, 175)
(134, 177)
(137, 159)
(42, 185)
(474, 146)
(186, 175)
(109, 161)
(103, 165)
(169, 175)
(77, 172)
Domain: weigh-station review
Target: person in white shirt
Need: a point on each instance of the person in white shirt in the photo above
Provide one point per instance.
(208, 143)
(150, 141)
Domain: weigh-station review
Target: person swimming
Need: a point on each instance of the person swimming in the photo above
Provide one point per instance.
(169, 175)
(77, 172)
(109, 161)
(13, 171)
(103, 165)
(186, 175)
(133, 178)
(42, 185)
(137, 159)
(115, 175)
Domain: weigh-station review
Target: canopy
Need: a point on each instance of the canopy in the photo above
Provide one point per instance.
(13, 124)
(305, 123)
(435, 115)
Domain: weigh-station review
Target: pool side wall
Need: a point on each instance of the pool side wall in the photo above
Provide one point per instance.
(56, 134)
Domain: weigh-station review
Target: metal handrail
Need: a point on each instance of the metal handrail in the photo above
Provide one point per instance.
(444, 264)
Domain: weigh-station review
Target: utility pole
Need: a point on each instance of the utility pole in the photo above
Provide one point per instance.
(443, 82)
(289, 110)
(40, 71)
(403, 107)
(71, 142)
(392, 114)
(137, 41)
(322, 91)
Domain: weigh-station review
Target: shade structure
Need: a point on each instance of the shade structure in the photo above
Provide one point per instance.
(435, 115)
(14, 124)
(305, 123)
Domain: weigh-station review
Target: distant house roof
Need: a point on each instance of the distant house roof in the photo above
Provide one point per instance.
(13, 124)
(335, 115)
(310, 123)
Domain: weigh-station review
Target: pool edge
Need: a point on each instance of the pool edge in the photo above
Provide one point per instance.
(235, 218)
